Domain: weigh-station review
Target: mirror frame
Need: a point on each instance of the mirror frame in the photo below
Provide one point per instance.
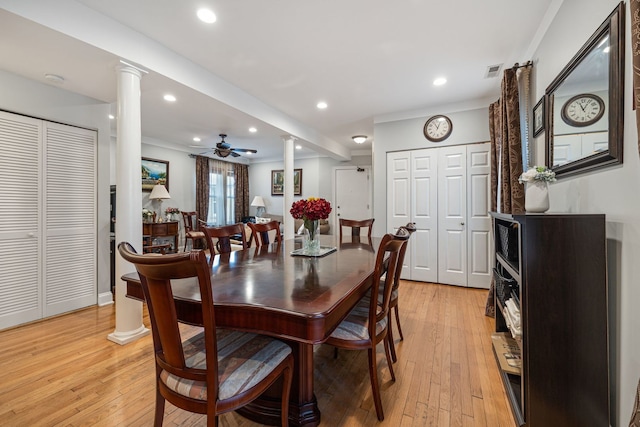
(615, 26)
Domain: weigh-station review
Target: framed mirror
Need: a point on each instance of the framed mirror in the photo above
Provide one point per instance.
(585, 104)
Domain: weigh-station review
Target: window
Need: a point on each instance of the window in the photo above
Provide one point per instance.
(222, 191)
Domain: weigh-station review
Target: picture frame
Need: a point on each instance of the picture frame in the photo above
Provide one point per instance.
(277, 182)
(538, 117)
(154, 172)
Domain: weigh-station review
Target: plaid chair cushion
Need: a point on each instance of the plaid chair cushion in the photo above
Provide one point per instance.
(244, 359)
(354, 327)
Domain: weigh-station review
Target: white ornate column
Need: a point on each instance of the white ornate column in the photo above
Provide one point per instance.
(129, 326)
(289, 231)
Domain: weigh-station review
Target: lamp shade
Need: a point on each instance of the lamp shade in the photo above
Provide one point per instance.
(159, 192)
(258, 201)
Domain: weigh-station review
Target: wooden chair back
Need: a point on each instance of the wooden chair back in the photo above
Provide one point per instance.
(173, 357)
(260, 232)
(356, 225)
(156, 274)
(387, 259)
(220, 237)
(189, 220)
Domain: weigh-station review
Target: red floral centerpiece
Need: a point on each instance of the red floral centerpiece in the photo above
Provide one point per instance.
(311, 211)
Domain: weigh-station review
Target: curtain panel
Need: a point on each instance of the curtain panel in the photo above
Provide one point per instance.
(507, 194)
(241, 173)
(202, 188)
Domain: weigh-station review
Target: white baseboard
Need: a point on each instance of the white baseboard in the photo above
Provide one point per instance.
(105, 298)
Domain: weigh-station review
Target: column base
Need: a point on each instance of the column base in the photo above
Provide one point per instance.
(125, 338)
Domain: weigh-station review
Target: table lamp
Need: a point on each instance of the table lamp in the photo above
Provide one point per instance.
(259, 203)
(159, 192)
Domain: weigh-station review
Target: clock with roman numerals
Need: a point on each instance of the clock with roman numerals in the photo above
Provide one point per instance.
(438, 128)
(582, 110)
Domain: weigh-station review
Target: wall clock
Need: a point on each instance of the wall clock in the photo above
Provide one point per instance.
(582, 110)
(437, 128)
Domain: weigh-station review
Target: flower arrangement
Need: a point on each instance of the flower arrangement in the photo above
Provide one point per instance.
(171, 211)
(312, 209)
(537, 173)
(146, 213)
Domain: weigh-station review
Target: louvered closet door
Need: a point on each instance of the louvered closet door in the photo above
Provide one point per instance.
(20, 183)
(70, 219)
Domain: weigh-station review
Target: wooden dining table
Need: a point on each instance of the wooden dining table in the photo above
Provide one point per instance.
(298, 299)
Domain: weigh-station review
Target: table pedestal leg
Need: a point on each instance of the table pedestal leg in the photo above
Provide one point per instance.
(303, 407)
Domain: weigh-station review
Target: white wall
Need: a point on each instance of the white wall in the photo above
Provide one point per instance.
(613, 191)
(317, 176)
(28, 97)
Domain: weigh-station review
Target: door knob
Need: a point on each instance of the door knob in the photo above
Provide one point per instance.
(462, 223)
(31, 235)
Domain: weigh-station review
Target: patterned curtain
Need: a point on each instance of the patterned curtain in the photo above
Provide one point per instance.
(507, 194)
(635, 50)
(202, 187)
(241, 173)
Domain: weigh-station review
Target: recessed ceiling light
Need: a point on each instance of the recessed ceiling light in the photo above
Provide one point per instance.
(170, 98)
(321, 105)
(111, 116)
(359, 139)
(54, 78)
(298, 147)
(206, 15)
(253, 130)
(439, 81)
(196, 139)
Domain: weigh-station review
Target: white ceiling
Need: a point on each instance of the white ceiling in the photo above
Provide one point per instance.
(267, 63)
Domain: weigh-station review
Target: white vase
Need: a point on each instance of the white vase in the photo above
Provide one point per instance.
(536, 196)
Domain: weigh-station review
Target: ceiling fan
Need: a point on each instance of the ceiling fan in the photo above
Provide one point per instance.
(224, 149)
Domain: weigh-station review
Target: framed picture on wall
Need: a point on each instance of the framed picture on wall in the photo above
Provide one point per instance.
(538, 117)
(277, 182)
(154, 172)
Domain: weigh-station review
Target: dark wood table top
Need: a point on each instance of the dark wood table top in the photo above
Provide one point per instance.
(268, 290)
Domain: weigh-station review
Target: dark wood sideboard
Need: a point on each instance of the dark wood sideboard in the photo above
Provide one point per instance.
(153, 230)
(556, 266)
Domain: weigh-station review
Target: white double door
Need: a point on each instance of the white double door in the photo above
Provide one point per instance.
(47, 219)
(445, 192)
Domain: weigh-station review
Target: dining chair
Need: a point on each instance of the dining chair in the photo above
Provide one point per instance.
(217, 370)
(220, 237)
(393, 303)
(260, 232)
(367, 323)
(191, 231)
(356, 225)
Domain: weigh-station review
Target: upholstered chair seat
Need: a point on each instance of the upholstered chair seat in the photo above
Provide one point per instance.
(244, 360)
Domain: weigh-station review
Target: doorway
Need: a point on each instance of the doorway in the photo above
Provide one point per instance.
(352, 194)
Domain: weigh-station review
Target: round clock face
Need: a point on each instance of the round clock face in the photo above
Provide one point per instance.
(438, 128)
(582, 110)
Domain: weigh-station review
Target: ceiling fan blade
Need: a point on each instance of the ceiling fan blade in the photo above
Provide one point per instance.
(245, 150)
(234, 154)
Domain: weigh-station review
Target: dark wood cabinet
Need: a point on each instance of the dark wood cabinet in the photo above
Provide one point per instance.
(153, 230)
(558, 272)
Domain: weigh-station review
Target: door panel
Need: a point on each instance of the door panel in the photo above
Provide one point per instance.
(423, 245)
(20, 183)
(478, 220)
(452, 241)
(352, 194)
(398, 190)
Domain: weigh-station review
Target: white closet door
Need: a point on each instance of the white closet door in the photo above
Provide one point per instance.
(20, 296)
(70, 219)
(452, 210)
(423, 245)
(478, 220)
(399, 198)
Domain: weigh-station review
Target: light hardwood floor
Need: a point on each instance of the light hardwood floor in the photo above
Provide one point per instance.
(63, 371)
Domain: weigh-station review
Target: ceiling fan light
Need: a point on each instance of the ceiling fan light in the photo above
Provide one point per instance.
(359, 139)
